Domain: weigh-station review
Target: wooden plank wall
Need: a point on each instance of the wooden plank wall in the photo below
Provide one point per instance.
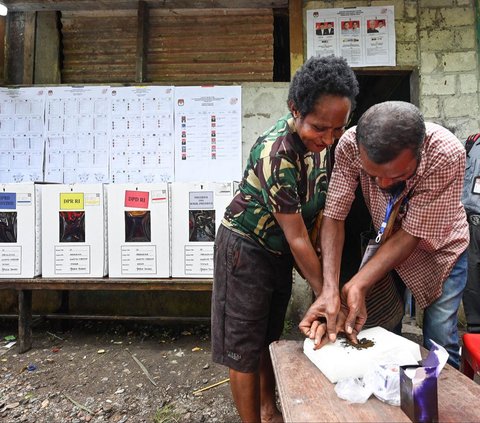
(182, 46)
(210, 45)
(99, 46)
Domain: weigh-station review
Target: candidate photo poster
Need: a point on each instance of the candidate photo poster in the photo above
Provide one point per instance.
(364, 36)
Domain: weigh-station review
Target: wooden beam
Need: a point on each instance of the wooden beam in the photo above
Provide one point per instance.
(24, 320)
(142, 25)
(63, 5)
(47, 49)
(14, 48)
(295, 8)
(29, 47)
(2, 49)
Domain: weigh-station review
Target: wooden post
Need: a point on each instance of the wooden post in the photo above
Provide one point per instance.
(142, 22)
(20, 48)
(2, 49)
(296, 34)
(47, 49)
(24, 320)
(29, 47)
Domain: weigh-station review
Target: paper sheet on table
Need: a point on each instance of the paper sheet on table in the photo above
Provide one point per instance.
(339, 361)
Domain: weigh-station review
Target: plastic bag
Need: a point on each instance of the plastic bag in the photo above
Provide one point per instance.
(384, 381)
(353, 390)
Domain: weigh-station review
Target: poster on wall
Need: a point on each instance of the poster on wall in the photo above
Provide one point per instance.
(142, 134)
(208, 134)
(364, 36)
(77, 133)
(21, 134)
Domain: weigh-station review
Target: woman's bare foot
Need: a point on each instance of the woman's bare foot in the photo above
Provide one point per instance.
(272, 417)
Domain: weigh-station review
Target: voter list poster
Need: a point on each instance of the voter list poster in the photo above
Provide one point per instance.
(364, 36)
(208, 134)
(77, 134)
(21, 134)
(141, 147)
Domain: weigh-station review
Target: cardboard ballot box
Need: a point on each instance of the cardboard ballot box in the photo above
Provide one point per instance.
(418, 393)
(418, 386)
(197, 210)
(139, 235)
(73, 231)
(20, 243)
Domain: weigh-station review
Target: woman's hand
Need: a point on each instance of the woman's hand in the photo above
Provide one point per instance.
(320, 320)
(318, 330)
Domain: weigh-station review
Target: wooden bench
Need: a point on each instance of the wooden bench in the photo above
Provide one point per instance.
(24, 288)
(306, 395)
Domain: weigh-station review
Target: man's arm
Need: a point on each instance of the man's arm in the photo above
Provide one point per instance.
(332, 236)
(394, 252)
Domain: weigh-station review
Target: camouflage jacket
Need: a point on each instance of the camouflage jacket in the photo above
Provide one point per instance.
(281, 176)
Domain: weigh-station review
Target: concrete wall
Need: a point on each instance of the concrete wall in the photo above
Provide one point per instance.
(262, 104)
(437, 38)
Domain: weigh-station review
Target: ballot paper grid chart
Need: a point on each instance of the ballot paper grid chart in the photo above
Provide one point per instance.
(208, 134)
(141, 134)
(21, 134)
(77, 133)
(101, 134)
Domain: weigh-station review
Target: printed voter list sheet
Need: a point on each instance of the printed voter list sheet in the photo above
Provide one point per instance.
(364, 36)
(142, 134)
(208, 134)
(77, 133)
(21, 134)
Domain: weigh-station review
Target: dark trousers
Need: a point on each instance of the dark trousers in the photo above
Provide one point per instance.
(471, 295)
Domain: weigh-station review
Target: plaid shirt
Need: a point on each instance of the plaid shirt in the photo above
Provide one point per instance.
(433, 213)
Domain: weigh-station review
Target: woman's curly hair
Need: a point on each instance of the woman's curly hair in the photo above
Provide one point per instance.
(320, 76)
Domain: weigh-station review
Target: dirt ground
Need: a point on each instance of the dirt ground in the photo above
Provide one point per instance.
(98, 371)
(104, 371)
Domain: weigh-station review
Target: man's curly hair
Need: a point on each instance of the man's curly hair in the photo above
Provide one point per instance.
(321, 76)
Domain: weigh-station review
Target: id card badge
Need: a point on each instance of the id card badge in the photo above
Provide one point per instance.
(371, 249)
(476, 186)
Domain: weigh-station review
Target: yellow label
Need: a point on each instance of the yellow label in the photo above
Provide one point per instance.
(71, 201)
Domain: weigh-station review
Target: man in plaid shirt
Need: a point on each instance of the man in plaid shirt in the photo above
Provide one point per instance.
(396, 156)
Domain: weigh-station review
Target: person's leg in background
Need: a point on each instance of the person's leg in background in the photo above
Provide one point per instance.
(471, 295)
(440, 322)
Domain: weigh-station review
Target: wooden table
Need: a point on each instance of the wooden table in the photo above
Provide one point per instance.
(24, 288)
(306, 395)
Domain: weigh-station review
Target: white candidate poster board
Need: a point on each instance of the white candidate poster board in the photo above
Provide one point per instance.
(208, 133)
(364, 36)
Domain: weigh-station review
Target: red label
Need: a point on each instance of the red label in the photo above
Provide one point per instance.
(137, 199)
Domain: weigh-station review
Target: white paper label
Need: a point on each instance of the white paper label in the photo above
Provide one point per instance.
(72, 260)
(11, 260)
(139, 259)
(199, 259)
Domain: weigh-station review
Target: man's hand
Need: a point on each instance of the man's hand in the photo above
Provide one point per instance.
(320, 320)
(354, 298)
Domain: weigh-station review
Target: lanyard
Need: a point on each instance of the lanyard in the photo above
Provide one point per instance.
(388, 212)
